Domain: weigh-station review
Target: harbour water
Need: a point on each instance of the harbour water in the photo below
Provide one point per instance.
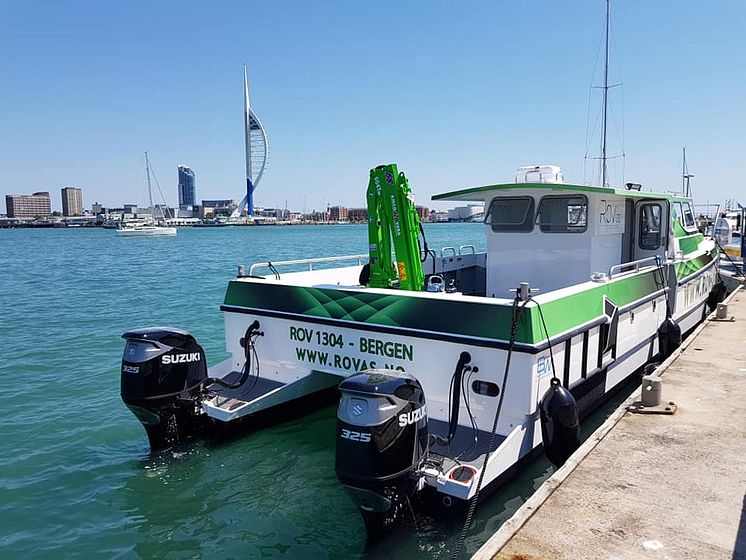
(77, 479)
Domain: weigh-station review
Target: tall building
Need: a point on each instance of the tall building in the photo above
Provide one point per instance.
(187, 187)
(28, 205)
(257, 150)
(72, 201)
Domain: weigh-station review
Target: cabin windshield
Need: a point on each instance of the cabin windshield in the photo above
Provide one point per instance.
(511, 213)
(563, 214)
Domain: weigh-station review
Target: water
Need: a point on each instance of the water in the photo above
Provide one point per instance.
(77, 479)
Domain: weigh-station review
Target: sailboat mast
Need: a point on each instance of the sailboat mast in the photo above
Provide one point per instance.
(150, 190)
(606, 99)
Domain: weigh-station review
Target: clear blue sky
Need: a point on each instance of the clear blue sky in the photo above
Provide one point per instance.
(458, 94)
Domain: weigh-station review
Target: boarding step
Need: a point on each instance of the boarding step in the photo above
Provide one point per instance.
(261, 393)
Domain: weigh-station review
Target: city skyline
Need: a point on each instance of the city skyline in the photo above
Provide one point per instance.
(475, 96)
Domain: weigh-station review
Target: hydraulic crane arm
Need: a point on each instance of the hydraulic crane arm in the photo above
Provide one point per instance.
(393, 219)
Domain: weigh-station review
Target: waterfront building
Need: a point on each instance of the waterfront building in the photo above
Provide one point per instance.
(187, 186)
(468, 213)
(282, 214)
(423, 212)
(318, 216)
(28, 205)
(357, 215)
(72, 201)
(220, 207)
(338, 214)
(97, 208)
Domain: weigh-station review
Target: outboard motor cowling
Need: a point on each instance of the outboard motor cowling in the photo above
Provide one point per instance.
(382, 439)
(163, 371)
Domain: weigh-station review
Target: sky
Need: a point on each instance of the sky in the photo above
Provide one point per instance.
(457, 94)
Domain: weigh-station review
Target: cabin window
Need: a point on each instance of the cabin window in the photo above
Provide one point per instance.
(688, 216)
(683, 211)
(511, 213)
(650, 226)
(563, 214)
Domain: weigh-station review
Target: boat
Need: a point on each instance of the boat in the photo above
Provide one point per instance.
(149, 228)
(621, 274)
(452, 368)
(145, 230)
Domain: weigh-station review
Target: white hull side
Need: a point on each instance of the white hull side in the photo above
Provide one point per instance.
(146, 231)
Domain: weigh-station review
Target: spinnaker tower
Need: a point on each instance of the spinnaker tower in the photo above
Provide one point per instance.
(257, 150)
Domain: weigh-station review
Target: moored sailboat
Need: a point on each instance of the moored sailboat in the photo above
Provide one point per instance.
(150, 227)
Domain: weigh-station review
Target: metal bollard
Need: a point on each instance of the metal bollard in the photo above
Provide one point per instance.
(651, 390)
(722, 311)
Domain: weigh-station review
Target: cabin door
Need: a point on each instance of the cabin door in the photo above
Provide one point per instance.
(650, 233)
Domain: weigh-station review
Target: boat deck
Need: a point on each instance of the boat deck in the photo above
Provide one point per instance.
(653, 486)
(463, 447)
(230, 399)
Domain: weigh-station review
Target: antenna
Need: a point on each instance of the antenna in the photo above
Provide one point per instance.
(604, 157)
(685, 176)
(606, 99)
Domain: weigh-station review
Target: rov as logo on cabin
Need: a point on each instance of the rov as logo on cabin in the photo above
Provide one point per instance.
(610, 213)
(610, 220)
(411, 417)
(180, 358)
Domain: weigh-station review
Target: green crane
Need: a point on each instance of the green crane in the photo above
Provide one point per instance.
(392, 218)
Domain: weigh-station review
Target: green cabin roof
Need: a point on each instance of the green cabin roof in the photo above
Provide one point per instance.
(479, 193)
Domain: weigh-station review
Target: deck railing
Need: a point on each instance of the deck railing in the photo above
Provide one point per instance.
(634, 266)
(308, 262)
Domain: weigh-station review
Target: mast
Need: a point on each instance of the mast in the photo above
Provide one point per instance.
(150, 190)
(247, 140)
(606, 98)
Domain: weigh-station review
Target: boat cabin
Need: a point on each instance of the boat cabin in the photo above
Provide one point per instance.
(556, 235)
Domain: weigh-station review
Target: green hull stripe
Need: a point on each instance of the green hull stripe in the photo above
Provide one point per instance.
(690, 243)
(475, 319)
(689, 267)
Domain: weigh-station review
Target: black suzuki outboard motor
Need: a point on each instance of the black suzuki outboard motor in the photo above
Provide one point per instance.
(382, 439)
(163, 372)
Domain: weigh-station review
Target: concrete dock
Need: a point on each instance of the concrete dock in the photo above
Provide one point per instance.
(653, 486)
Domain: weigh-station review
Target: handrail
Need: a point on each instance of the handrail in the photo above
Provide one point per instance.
(444, 249)
(617, 269)
(462, 247)
(309, 262)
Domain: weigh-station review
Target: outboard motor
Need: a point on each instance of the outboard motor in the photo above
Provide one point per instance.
(163, 372)
(382, 439)
(560, 426)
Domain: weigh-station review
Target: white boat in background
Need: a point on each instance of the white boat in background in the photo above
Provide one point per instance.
(150, 228)
(145, 230)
